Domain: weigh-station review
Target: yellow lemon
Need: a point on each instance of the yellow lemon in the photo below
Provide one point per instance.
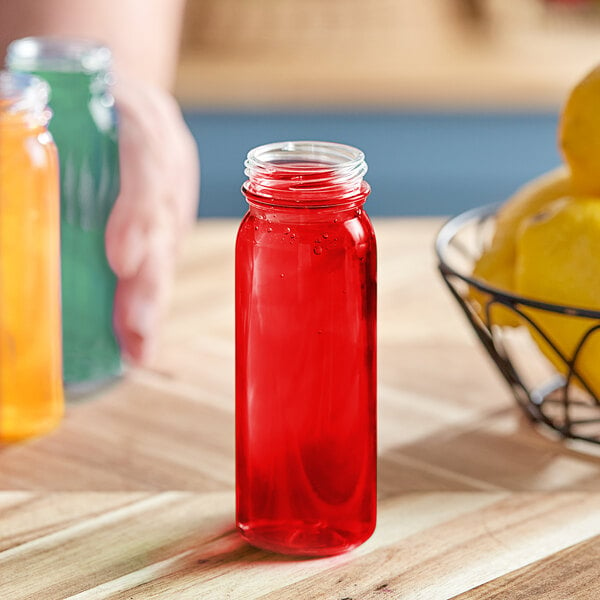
(579, 133)
(558, 261)
(497, 263)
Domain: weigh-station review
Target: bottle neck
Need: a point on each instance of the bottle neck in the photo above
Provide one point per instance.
(306, 175)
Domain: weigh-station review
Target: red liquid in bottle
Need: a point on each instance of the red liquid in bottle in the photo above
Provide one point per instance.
(306, 377)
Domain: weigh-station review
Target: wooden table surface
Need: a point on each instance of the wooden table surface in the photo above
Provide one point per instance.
(132, 498)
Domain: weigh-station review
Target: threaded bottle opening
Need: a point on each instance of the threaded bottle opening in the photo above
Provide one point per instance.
(58, 54)
(23, 93)
(305, 173)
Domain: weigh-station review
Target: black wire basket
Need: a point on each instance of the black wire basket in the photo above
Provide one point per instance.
(554, 391)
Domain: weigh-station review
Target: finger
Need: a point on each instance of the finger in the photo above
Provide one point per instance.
(140, 301)
(186, 167)
(180, 164)
(134, 212)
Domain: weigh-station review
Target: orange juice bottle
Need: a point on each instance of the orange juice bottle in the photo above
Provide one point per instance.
(31, 397)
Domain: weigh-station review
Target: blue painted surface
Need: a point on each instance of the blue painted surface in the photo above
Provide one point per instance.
(419, 163)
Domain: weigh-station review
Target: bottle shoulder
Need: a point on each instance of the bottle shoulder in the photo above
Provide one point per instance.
(339, 230)
(33, 145)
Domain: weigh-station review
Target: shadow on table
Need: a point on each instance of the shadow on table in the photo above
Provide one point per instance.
(505, 452)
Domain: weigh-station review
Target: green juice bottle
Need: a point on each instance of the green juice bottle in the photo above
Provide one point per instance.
(85, 131)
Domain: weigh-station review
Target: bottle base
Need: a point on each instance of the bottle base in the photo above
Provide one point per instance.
(304, 539)
(87, 373)
(81, 390)
(16, 435)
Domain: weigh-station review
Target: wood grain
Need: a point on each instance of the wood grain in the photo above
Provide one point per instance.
(181, 544)
(570, 573)
(132, 497)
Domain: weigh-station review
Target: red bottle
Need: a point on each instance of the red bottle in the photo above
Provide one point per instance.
(306, 351)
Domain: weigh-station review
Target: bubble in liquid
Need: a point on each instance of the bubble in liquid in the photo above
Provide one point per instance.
(318, 250)
(293, 236)
(325, 235)
(282, 275)
(256, 227)
(335, 220)
(286, 231)
(269, 229)
(319, 331)
(358, 212)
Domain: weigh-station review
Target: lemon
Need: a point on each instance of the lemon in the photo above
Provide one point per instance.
(579, 133)
(546, 245)
(558, 261)
(497, 263)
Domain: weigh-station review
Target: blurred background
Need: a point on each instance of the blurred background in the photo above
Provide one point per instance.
(454, 102)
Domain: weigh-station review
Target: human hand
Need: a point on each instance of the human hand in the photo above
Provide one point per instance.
(157, 203)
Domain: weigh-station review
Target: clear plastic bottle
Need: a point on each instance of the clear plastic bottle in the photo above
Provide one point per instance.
(85, 132)
(306, 351)
(31, 397)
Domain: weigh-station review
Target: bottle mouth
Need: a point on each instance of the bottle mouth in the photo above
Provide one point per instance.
(305, 172)
(58, 54)
(21, 92)
(326, 158)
